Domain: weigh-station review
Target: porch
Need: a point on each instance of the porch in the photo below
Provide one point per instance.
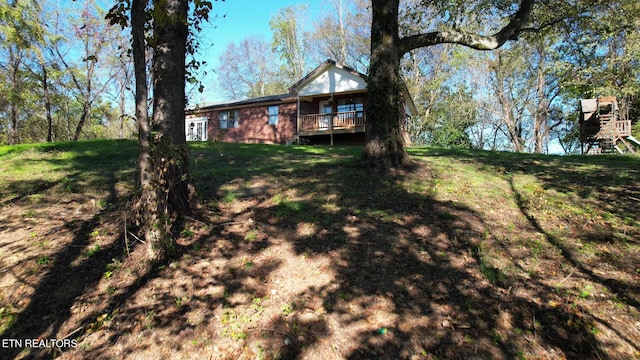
(332, 123)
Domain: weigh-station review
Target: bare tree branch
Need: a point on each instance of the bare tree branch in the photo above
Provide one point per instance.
(472, 40)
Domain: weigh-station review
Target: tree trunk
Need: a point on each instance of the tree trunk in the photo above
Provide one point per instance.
(86, 104)
(384, 144)
(539, 120)
(511, 118)
(83, 118)
(123, 108)
(15, 95)
(47, 101)
(153, 229)
(540, 128)
(169, 155)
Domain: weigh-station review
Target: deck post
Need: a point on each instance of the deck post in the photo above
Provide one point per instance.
(298, 117)
(333, 118)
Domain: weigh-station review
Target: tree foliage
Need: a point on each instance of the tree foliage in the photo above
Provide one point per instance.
(532, 99)
(342, 34)
(20, 30)
(289, 42)
(88, 83)
(566, 50)
(43, 77)
(249, 69)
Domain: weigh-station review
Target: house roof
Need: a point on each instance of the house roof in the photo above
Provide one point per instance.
(245, 102)
(328, 77)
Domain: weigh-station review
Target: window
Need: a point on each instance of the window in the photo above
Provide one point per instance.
(353, 104)
(273, 115)
(228, 119)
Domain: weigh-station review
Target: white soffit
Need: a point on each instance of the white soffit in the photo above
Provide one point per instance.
(333, 80)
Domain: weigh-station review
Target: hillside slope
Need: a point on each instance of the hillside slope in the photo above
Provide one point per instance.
(300, 252)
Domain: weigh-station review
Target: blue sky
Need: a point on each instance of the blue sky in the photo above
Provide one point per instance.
(245, 17)
(242, 18)
(231, 20)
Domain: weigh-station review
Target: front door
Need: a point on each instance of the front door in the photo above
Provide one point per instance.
(197, 129)
(325, 114)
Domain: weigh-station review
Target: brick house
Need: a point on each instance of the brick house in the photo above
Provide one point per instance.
(327, 106)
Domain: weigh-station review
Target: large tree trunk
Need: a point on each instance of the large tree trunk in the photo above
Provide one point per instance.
(151, 224)
(169, 99)
(168, 144)
(384, 144)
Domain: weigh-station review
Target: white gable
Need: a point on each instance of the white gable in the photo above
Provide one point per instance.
(332, 80)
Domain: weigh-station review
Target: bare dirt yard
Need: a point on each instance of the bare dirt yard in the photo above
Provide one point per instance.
(301, 253)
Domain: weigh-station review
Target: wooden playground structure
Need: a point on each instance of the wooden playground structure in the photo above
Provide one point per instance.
(602, 129)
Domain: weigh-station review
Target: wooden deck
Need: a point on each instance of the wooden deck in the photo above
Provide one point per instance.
(334, 123)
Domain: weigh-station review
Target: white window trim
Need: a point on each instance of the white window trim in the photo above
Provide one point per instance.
(276, 115)
(189, 130)
(227, 118)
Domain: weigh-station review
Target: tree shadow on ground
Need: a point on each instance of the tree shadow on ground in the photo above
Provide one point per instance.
(73, 300)
(608, 185)
(628, 292)
(406, 278)
(64, 256)
(68, 273)
(384, 271)
(583, 176)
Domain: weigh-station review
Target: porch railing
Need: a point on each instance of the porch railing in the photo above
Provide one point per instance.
(341, 120)
(623, 127)
(614, 128)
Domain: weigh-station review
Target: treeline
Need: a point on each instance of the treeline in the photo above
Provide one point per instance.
(523, 97)
(65, 73)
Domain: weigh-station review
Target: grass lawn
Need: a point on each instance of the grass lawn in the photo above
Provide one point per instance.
(300, 252)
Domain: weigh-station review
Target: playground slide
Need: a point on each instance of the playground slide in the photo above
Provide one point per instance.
(633, 140)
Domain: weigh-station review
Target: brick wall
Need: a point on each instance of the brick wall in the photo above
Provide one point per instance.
(253, 122)
(253, 125)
